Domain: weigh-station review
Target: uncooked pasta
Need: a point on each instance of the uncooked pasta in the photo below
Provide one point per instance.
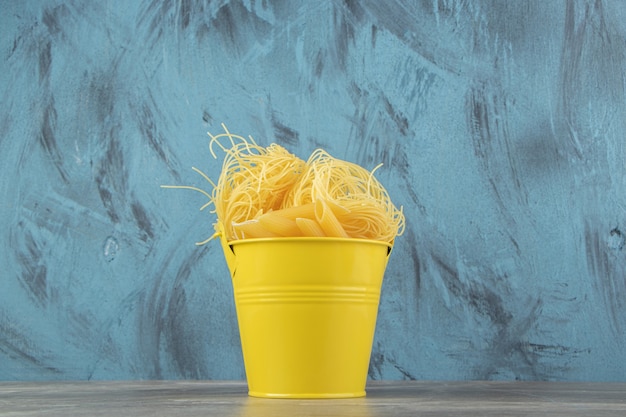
(268, 192)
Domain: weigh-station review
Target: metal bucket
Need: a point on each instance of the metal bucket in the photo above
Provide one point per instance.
(306, 309)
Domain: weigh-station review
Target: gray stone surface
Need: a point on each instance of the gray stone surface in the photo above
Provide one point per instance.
(183, 398)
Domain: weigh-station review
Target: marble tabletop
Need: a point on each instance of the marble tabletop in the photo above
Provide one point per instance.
(384, 398)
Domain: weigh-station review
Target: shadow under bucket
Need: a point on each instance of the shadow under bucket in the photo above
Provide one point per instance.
(307, 311)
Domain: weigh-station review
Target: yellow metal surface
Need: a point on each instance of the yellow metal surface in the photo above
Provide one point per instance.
(307, 312)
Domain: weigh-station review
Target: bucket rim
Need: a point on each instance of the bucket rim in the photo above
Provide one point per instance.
(309, 239)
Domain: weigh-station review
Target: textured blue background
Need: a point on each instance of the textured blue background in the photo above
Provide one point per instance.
(501, 126)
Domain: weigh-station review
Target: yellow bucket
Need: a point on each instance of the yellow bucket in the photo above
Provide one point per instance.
(307, 311)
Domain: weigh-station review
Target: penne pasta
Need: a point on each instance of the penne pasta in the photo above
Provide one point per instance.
(328, 221)
(306, 211)
(275, 223)
(309, 227)
(251, 229)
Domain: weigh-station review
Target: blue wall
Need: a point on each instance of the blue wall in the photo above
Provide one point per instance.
(501, 126)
